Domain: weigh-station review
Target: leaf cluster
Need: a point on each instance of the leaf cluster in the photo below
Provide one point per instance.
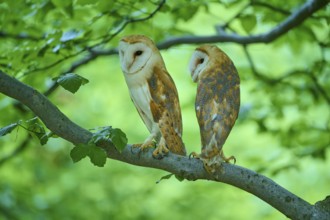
(96, 154)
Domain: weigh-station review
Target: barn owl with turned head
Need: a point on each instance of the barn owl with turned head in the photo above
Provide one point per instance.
(217, 101)
(153, 93)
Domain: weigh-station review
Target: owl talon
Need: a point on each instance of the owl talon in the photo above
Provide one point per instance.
(144, 146)
(148, 145)
(160, 152)
(212, 167)
(194, 155)
(227, 159)
(209, 168)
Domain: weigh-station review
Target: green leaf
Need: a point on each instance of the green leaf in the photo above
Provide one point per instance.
(166, 177)
(103, 133)
(70, 35)
(62, 3)
(165, 8)
(180, 178)
(86, 2)
(79, 152)
(97, 155)
(71, 81)
(105, 5)
(43, 139)
(69, 10)
(248, 22)
(118, 138)
(36, 127)
(8, 129)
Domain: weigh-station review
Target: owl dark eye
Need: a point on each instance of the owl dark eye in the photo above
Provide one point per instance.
(201, 60)
(138, 52)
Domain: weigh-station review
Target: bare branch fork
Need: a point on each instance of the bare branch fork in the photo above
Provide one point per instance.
(191, 169)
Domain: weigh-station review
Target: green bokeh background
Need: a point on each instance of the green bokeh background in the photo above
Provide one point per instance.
(44, 183)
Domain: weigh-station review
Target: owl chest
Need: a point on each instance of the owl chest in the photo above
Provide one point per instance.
(141, 97)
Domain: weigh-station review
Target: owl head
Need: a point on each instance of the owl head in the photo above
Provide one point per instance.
(203, 58)
(137, 53)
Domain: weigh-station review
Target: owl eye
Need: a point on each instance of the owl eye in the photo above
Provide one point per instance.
(138, 53)
(201, 60)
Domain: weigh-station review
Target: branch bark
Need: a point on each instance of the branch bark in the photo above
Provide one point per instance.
(191, 169)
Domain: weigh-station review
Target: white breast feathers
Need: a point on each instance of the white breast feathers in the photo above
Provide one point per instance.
(141, 97)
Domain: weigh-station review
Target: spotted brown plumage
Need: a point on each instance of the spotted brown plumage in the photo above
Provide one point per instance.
(217, 101)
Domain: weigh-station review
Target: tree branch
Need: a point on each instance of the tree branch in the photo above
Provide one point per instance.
(269, 6)
(21, 36)
(44, 109)
(291, 22)
(191, 169)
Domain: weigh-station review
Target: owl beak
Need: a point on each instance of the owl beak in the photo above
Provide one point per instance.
(194, 76)
(123, 67)
(126, 65)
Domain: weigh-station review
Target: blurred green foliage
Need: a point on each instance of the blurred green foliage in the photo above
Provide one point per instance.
(283, 129)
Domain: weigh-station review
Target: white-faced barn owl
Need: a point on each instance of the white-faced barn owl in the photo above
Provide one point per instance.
(153, 93)
(217, 101)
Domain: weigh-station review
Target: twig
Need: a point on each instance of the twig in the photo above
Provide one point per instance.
(319, 87)
(269, 6)
(19, 36)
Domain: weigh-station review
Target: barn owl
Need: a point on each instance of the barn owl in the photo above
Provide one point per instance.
(153, 93)
(217, 102)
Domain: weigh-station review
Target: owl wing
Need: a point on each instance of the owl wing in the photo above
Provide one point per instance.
(217, 105)
(165, 109)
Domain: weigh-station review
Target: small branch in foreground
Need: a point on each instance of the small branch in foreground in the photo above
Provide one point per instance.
(192, 169)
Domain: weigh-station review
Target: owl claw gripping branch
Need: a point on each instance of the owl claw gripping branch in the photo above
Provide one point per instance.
(217, 102)
(153, 93)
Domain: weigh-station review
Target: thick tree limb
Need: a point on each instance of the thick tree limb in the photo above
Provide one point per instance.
(192, 169)
(53, 118)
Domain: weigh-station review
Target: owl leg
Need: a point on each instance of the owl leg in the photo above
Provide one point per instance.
(210, 165)
(213, 163)
(161, 149)
(148, 143)
(227, 159)
(194, 155)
